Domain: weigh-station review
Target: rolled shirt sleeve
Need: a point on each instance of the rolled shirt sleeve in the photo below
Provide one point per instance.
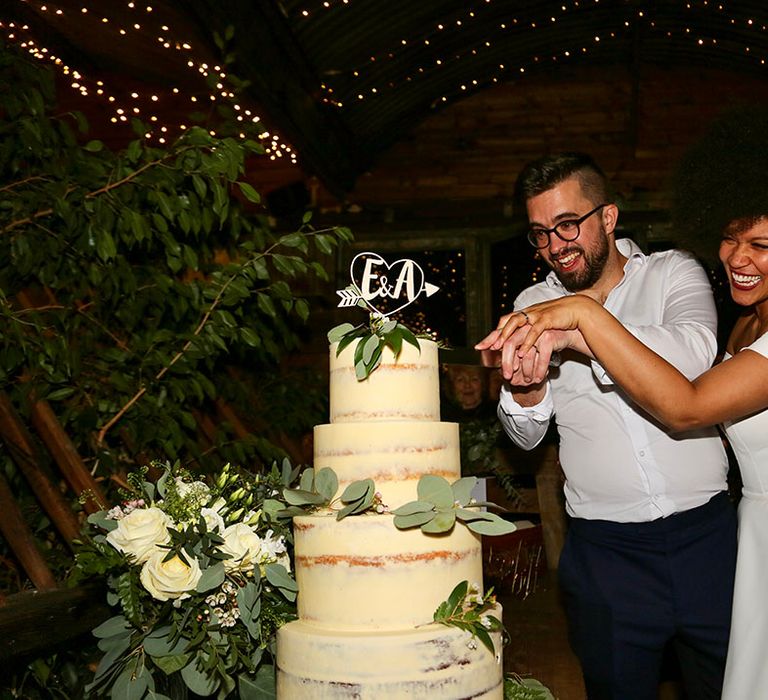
(525, 425)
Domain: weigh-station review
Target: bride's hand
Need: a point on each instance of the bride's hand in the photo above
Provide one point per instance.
(564, 314)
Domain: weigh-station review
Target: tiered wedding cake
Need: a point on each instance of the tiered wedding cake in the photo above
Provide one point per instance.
(368, 591)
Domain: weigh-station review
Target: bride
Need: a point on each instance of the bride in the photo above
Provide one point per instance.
(734, 393)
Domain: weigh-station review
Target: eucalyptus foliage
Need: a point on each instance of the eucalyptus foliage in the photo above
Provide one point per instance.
(132, 283)
(440, 504)
(317, 490)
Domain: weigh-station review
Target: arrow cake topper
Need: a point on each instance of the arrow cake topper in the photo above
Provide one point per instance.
(372, 277)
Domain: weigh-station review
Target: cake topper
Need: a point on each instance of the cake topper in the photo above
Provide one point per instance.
(402, 281)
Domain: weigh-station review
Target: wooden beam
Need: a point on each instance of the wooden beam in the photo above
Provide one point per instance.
(19, 538)
(22, 450)
(284, 83)
(34, 623)
(66, 455)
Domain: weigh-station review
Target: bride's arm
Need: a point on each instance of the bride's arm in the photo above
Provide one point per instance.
(733, 389)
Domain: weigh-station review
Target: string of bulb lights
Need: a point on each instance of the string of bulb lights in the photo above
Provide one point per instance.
(141, 105)
(627, 18)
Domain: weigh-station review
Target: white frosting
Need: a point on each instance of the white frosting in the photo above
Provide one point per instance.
(361, 573)
(402, 388)
(433, 662)
(394, 455)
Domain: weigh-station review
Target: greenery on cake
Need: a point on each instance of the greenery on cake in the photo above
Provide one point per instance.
(317, 490)
(379, 333)
(199, 578)
(468, 610)
(440, 504)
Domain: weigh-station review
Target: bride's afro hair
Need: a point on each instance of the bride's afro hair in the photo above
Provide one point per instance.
(722, 178)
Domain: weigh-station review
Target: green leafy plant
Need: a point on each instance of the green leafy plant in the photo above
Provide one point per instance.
(440, 504)
(379, 333)
(137, 287)
(199, 577)
(466, 609)
(518, 688)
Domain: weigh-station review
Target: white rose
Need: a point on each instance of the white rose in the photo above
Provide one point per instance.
(139, 533)
(168, 580)
(243, 545)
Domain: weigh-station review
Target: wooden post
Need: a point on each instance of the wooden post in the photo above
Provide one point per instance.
(65, 454)
(20, 540)
(549, 487)
(22, 450)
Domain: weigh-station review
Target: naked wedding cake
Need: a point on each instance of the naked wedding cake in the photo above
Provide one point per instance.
(368, 591)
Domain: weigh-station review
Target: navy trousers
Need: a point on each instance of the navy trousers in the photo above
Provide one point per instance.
(629, 588)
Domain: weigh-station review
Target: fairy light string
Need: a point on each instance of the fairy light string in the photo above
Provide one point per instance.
(151, 107)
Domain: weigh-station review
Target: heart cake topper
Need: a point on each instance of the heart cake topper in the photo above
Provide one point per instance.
(372, 277)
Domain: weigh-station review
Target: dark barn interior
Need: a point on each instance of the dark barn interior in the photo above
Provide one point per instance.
(408, 122)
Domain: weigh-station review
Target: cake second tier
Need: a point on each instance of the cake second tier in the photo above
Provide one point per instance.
(361, 573)
(394, 455)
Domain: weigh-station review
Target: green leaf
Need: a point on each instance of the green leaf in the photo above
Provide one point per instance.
(299, 497)
(160, 642)
(338, 332)
(249, 192)
(404, 522)
(435, 489)
(171, 664)
(131, 684)
(466, 515)
(462, 489)
(115, 626)
(442, 522)
(357, 490)
(369, 347)
(482, 634)
(262, 687)
(496, 526)
(279, 577)
(211, 578)
(414, 507)
(326, 483)
(199, 682)
(93, 146)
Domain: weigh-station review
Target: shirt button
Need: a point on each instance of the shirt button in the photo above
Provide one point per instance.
(642, 453)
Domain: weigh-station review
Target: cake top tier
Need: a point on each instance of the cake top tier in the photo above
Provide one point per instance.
(400, 389)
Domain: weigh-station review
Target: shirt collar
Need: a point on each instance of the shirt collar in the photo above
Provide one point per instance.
(626, 246)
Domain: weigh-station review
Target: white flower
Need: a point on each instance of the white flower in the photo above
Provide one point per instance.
(243, 545)
(193, 490)
(140, 532)
(273, 546)
(213, 520)
(169, 580)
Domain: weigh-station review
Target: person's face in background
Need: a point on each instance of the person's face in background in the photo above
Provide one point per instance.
(467, 386)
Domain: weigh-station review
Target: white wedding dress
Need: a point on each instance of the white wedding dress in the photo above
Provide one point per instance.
(746, 670)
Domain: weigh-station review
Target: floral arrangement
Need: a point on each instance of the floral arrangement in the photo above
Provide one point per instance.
(378, 333)
(199, 577)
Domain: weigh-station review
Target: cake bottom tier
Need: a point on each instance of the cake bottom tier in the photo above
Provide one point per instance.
(428, 662)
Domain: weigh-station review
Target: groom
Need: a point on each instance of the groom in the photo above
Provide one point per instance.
(651, 546)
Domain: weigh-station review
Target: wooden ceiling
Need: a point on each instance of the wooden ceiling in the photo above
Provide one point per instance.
(347, 81)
